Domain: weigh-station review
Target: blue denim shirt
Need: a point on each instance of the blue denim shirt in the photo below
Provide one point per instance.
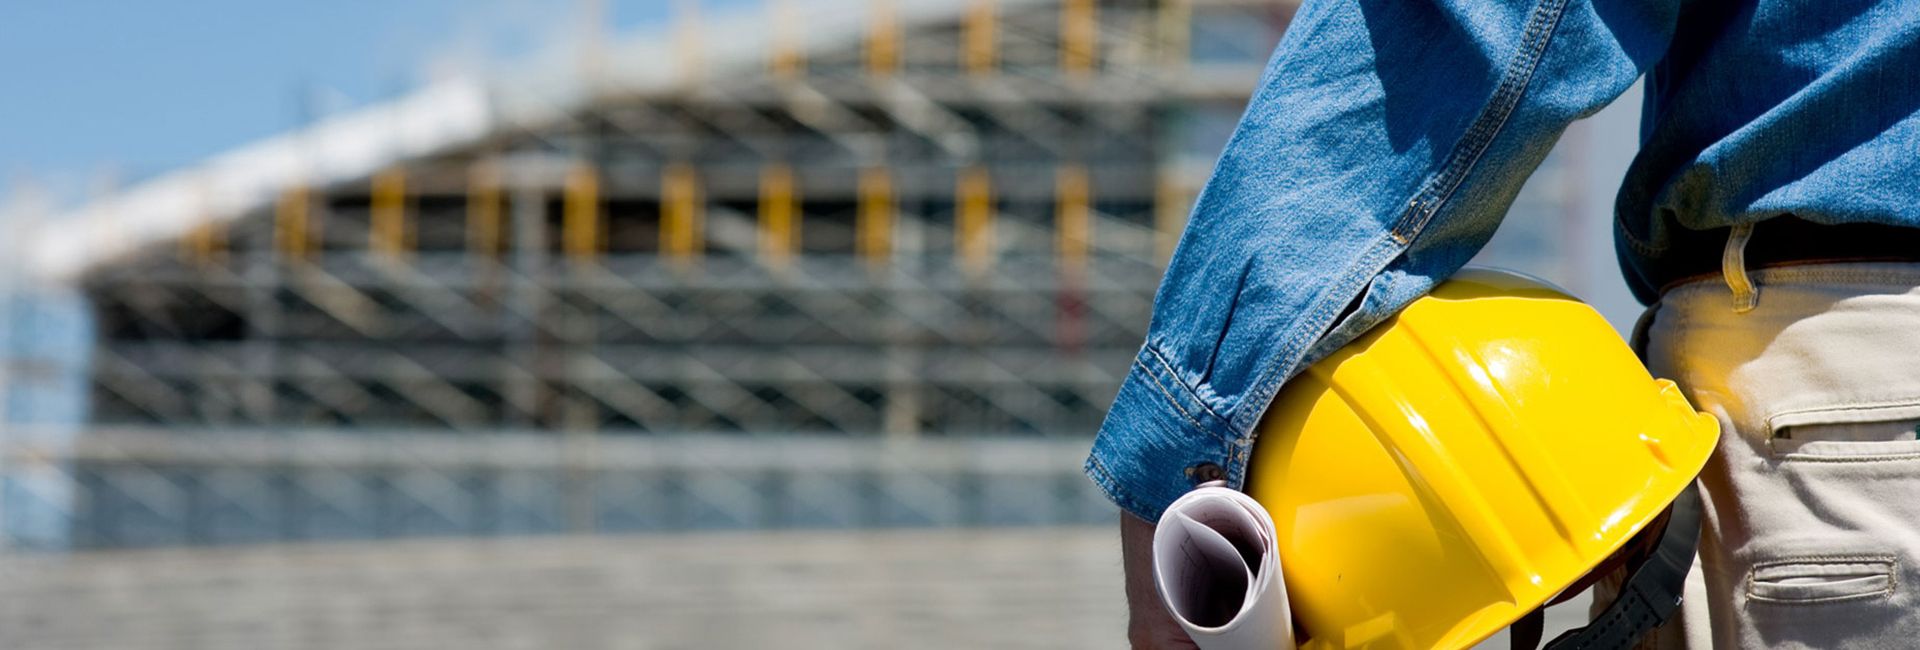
(1388, 138)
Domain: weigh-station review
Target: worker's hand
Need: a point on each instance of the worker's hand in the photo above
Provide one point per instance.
(1148, 623)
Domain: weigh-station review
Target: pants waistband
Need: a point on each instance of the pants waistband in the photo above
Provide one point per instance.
(1821, 337)
(1792, 242)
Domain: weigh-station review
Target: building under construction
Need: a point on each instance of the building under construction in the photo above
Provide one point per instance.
(905, 218)
(847, 263)
(564, 296)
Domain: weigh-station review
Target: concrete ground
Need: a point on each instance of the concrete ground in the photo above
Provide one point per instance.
(1005, 588)
(1037, 588)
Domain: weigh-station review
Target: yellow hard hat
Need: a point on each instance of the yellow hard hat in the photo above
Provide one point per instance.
(1459, 466)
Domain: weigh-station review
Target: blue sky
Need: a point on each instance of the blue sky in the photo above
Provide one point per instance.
(108, 92)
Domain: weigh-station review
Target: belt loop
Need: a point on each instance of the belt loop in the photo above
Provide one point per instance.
(1733, 265)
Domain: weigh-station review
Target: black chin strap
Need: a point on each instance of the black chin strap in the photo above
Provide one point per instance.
(1647, 599)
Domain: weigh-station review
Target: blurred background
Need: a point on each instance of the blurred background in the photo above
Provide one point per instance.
(612, 323)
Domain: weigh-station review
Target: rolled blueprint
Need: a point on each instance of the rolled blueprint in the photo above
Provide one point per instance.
(1217, 564)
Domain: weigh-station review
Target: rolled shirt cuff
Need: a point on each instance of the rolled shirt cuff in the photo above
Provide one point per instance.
(1160, 440)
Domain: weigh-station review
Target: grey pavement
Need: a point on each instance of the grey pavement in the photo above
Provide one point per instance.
(945, 588)
(1006, 588)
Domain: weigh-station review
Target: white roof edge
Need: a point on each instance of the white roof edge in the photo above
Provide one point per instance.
(228, 185)
(439, 117)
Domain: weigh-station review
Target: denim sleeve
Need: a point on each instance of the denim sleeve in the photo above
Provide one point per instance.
(1383, 145)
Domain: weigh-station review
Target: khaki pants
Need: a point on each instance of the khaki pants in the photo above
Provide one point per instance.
(1812, 529)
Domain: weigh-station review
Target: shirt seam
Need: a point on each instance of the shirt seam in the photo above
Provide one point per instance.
(1493, 118)
(1624, 233)
(1186, 389)
(1104, 478)
(1318, 321)
(1171, 400)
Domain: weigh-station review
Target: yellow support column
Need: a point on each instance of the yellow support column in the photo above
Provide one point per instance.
(387, 233)
(874, 225)
(779, 216)
(291, 223)
(483, 211)
(973, 220)
(789, 58)
(1079, 37)
(1073, 218)
(883, 40)
(1176, 32)
(979, 43)
(206, 244)
(581, 219)
(680, 215)
(1171, 204)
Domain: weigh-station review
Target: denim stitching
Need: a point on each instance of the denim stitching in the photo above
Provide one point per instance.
(1167, 392)
(1148, 374)
(1493, 117)
(1318, 319)
(1096, 470)
(1625, 234)
(1167, 367)
(1175, 402)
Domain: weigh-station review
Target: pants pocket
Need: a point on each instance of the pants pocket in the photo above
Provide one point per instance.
(1821, 580)
(1832, 544)
(1877, 433)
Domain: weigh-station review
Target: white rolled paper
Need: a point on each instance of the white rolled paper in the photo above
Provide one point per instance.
(1217, 564)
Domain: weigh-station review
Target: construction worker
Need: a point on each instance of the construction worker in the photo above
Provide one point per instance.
(1768, 222)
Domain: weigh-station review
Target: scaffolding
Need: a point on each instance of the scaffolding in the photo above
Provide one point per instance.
(948, 223)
